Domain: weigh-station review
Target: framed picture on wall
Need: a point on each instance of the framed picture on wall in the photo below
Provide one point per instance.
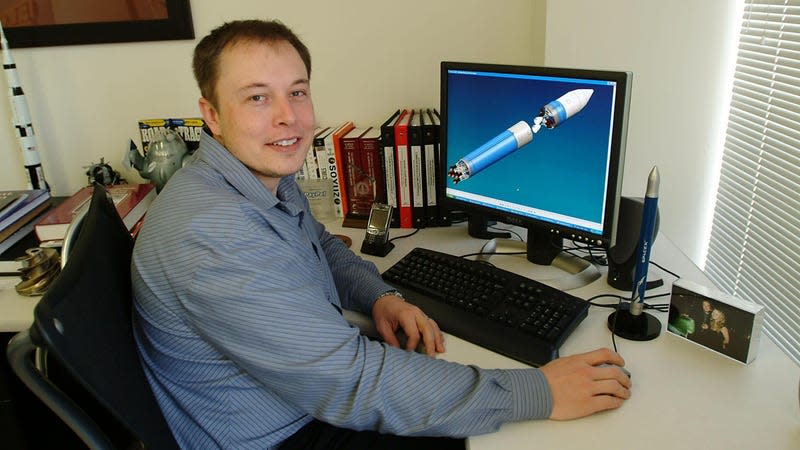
(43, 23)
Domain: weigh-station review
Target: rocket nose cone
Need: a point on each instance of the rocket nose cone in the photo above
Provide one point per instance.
(583, 94)
(577, 100)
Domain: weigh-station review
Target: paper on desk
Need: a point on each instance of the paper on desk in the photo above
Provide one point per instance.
(10, 268)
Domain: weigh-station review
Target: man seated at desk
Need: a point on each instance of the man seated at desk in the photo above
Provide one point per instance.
(239, 291)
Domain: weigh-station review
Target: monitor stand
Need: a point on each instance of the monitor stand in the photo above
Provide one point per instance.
(542, 248)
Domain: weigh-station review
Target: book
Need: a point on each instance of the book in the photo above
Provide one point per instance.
(150, 130)
(24, 202)
(387, 156)
(131, 200)
(417, 171)
(442, 210)
(371, 164)
(311, 167)
(356, 183)
(333, 168)
(23, 220)
(9, 197)
(321, 154)
(403, 170)
(336, 171)
(23, 227)
(430, 156)
(189, 129)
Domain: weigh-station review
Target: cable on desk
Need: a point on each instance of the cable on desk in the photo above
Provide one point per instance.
(660, 307)
(405, 235)
(677, 277)
(492, 254)
(507, 230)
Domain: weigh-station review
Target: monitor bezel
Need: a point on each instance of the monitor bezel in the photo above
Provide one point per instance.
(616, 162)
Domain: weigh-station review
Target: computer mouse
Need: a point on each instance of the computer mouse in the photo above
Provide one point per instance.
(624, 370)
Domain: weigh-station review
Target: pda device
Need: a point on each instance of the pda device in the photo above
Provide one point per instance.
(376, 240)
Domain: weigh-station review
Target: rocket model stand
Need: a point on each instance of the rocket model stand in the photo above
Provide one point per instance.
(22, 120)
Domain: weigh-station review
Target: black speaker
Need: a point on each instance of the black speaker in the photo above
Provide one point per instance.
(622, 256)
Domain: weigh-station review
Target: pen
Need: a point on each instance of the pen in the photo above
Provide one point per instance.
(645, 242)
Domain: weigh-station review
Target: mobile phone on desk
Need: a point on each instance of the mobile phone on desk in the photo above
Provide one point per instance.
(376, 240)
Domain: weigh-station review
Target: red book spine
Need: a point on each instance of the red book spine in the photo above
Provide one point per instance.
(403, 171)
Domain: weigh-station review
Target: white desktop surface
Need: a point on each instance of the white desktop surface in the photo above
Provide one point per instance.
(16, 311)
(684, 396)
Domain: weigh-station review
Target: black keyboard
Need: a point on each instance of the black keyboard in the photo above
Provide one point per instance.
(504, 312)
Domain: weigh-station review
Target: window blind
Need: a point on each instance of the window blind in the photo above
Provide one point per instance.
(754, 249)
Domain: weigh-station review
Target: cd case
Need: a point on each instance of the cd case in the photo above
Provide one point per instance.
(715, 320)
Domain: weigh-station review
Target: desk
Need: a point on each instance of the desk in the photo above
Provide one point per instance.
(683, 396)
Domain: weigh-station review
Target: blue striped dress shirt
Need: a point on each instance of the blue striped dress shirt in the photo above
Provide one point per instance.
(237, 298)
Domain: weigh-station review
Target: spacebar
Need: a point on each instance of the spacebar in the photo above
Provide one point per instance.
(484, 332)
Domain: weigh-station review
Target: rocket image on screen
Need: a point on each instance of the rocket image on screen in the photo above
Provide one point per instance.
(518, 135)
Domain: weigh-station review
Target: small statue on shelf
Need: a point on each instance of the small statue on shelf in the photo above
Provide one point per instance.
(164, 157)
(103, 173)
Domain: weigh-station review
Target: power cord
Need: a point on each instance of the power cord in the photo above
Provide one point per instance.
(416, 230)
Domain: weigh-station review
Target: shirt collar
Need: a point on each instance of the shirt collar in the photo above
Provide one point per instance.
(242, 179)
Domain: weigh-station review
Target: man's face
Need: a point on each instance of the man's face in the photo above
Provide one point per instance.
(264, 114)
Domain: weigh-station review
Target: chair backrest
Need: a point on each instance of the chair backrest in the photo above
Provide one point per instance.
(84, 321)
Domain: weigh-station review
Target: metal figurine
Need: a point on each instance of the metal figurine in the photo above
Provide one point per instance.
(165, 156)
(103, 173)
(22, 120)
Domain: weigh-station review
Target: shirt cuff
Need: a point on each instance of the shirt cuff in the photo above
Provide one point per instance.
(532, 398)
(371, 291)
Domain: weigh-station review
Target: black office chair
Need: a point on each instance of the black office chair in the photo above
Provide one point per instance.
(84, 323)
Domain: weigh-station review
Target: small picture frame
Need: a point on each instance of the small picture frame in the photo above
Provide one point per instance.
(720, 322)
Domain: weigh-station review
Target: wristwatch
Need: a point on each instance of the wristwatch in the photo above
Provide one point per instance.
(394, 292)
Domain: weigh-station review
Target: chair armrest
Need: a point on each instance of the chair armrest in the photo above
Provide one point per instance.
(20, 352)
(362, 322)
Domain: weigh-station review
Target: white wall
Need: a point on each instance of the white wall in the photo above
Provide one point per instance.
(368, 59)
(681, 54)
(371, 57)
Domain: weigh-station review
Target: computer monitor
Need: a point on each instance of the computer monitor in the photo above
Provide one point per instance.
(538, 147)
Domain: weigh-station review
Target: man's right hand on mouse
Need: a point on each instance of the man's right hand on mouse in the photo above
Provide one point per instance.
(580, 388)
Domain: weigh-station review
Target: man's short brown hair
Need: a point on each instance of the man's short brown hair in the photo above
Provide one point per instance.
(208, 50)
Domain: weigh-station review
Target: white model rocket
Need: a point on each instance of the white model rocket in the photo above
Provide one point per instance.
(22, 120)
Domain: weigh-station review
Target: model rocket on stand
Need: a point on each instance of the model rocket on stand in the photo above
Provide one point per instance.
(550, 115)
(22, 120)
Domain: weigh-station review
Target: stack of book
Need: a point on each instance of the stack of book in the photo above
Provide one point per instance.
(396, 163)
(19, 211)
(131, 200)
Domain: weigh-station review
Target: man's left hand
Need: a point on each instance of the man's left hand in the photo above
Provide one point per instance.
(391, 314)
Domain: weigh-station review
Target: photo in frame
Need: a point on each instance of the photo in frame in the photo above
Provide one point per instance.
(715, 320)
(43, 23)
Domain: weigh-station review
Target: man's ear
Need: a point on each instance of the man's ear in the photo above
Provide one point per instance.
(210, 116)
